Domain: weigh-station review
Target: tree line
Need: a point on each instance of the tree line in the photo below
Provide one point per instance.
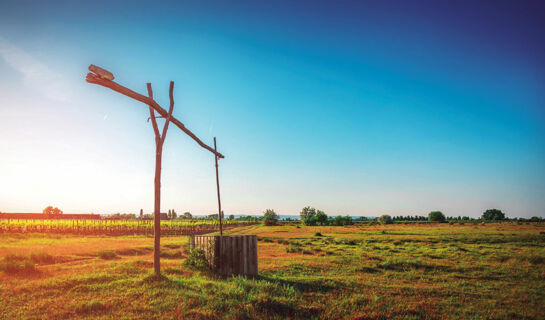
(314, 217)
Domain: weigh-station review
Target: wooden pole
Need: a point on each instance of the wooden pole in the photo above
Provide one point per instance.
(218, 186)
(159, 142)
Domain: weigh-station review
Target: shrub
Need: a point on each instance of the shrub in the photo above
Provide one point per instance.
(385, 219)
(341, 221)
(312, 217)
(267, 240)
(306, 213)
(493, 214)
(321, 218)
(52, 212)
(436, 216)
(318, 234)
(107, 255)
(270, 217)
(196, 260)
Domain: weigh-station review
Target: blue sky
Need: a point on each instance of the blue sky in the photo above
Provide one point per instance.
(354, 107)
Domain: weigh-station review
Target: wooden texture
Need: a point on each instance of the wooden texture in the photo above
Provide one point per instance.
(218, 188)
(105, 74)
(159, 142)
(229, 255)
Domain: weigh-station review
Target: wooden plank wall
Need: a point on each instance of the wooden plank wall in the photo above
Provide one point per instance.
(229, 255)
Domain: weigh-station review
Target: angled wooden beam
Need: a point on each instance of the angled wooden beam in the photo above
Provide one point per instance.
(96, 79)
(218, 188)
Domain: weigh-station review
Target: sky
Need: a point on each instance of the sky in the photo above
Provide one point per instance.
(352, 107)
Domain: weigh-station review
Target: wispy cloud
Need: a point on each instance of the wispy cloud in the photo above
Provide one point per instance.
(35, 74)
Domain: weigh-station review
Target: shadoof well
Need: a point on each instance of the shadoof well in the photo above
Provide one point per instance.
(227, 255)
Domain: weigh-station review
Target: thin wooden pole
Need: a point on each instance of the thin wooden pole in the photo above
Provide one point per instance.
(218, 185)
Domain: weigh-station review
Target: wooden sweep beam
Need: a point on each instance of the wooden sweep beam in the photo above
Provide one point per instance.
(95, 79)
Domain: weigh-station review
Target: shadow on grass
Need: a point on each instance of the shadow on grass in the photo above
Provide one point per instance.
(310, 285)
(134, 251)
(157, 278)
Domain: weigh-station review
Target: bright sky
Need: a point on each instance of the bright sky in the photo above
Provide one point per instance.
(356, 107)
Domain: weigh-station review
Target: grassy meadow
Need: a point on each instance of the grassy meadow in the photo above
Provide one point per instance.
(398, 271)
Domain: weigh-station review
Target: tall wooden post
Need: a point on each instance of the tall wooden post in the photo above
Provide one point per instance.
(218, 186)
(159, 141)
(157, 209)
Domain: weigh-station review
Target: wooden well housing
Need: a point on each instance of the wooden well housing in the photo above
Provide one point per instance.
(229, 255)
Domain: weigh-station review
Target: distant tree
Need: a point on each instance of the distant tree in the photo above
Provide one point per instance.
(141, 213)
(535, 219)
(436, 216)
(307, 212)
(50, 211)
(385, 219)
(308, 216)
(321, 218)
(169, 214)
(270, 218)
(342, 221)
(493, 214)
(173, 214)
(187, 215)
(231, 217)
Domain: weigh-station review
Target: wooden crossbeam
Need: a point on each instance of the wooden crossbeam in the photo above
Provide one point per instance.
(96, 79)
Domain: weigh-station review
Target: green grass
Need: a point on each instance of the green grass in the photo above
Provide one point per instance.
(408, 272)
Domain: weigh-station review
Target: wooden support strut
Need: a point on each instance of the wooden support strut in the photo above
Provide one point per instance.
(96, 79)
(218, 188)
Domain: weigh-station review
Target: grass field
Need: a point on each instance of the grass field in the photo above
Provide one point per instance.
(436, 271)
